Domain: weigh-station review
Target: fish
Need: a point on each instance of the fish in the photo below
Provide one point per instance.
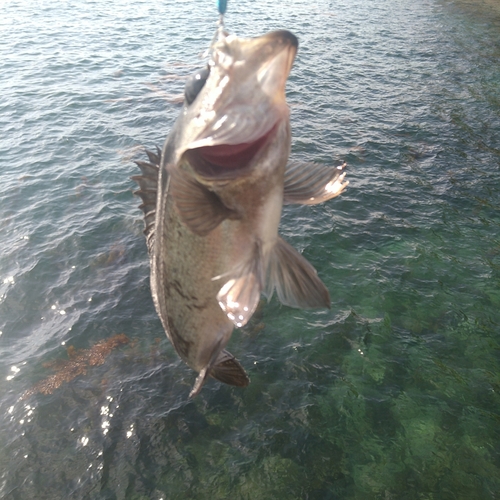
(212, 200)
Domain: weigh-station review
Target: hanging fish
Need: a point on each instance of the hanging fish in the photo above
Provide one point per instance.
(212, 201)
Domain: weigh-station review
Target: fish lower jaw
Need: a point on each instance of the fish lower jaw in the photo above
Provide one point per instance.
(229, 159)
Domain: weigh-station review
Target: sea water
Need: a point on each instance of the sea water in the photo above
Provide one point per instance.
(393, 393)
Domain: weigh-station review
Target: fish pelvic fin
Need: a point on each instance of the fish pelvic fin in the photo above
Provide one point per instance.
(148, 186)
(240, 295)
(200, 209)
(228, 370)
(308, 183)
(295, 279)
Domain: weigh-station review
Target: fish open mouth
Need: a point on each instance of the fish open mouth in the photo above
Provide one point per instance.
(240, 107)
(225, 161)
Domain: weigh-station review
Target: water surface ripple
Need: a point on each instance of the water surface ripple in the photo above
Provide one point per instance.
(391, 394)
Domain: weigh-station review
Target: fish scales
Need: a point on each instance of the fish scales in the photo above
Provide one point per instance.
(221, 180)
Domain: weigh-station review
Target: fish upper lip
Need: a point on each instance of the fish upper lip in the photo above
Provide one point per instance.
(284, 35)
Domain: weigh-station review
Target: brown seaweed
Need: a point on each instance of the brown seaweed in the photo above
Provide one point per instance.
(77, 364)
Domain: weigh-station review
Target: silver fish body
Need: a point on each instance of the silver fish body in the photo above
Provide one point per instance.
(213, 198)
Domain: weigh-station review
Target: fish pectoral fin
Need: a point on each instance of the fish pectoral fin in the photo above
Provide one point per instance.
(200, 209)
(228, 370)
(240, 295)
(308, 183)
(295, 280)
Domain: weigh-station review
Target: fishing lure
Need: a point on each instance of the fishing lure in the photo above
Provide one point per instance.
(222, 6)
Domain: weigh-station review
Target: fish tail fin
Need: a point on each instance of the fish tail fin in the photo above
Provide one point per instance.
(294, 278)
(228, 370)
(198, 384)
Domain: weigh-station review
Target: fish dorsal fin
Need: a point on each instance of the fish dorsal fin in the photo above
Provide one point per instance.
(240, 295)
(228, 370)
(200, 209)
(154, 158)
(295, 280)
(308, 183)
(148, 185)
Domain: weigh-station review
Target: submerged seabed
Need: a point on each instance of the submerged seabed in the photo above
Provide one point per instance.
(391, 394)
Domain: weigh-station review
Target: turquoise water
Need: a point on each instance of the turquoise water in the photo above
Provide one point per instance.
(391, 394)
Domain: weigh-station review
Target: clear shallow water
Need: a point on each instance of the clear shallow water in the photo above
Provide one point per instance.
(393, 393)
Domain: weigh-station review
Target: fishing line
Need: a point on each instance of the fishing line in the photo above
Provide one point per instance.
(221, 7)
(196, 82)
(220, 33)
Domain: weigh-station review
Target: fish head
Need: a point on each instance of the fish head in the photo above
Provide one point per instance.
(240, 107)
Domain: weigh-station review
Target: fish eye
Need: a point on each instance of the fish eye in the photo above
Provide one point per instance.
(194, 84)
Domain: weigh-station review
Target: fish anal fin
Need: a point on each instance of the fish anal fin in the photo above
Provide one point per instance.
(240, 295)
(295, 279)
(200, 209)
(228, 370)
(239, 298)
(309, 183)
